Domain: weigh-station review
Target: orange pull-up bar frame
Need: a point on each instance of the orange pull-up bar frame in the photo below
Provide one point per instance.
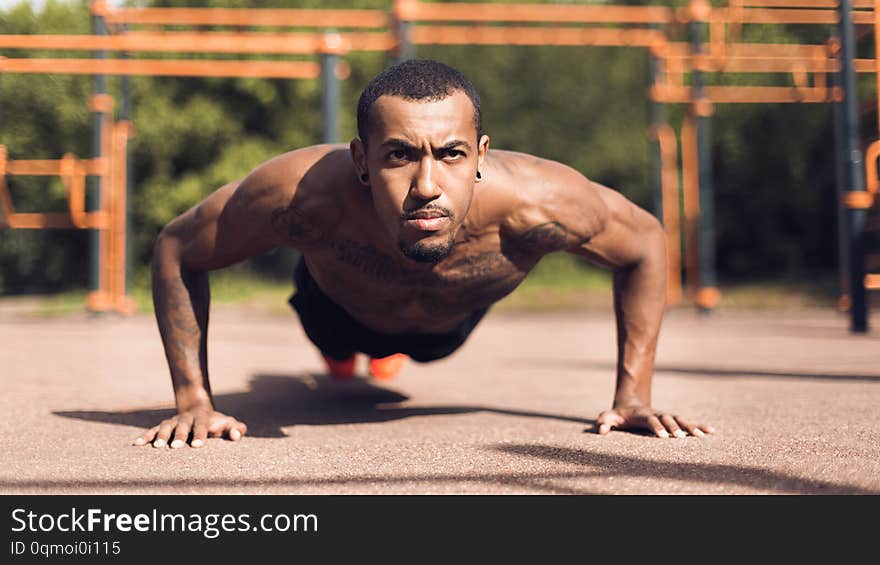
(73, 172)
(109, 218)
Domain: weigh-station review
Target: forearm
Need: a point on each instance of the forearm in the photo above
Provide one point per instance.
(639, 302)
(181, 300)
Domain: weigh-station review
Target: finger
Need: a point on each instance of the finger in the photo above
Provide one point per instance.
(655, 426)
(224, 427)
(219, 426)
(200, 431)
(686, 425)
(672, 426)
(165, 429)
(607, 421)
(147, 436)
(181, 432)
(237, 430)
(707, 429)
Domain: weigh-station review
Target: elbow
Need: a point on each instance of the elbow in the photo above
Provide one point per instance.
(657, 234)
(164, 244)
(166, 255)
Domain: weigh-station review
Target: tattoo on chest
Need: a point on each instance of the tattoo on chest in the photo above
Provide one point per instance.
(295, 225)
(474, 269)
(371, 261)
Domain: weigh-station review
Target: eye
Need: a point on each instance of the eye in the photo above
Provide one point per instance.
(397, 155)
(453, 154)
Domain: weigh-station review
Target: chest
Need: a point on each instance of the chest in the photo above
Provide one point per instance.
(363, 278)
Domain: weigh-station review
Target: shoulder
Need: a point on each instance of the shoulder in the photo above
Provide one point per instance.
(283, 177)
(295, 190)
(551, 206)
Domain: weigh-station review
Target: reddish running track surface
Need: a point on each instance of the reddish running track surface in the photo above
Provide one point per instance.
(793, 395)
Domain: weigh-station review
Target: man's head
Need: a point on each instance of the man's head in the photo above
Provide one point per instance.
(419, 151)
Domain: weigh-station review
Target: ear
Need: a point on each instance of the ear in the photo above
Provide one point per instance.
(482, 150)
(359, 157)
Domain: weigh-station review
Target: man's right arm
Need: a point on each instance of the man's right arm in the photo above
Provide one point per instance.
(232, 224)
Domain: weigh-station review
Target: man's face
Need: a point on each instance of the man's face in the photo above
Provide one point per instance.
(422, 159)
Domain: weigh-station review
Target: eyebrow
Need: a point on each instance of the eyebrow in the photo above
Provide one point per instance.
(403, 144)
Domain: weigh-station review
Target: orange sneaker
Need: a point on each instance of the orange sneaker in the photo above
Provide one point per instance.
(341, 369)
(386, 368)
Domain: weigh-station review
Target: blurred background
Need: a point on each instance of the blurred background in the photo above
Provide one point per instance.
(587, 107)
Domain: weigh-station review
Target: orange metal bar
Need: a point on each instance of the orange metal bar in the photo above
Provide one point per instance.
(560, 36)
(665, 136)
(75, 186)
(717, 40)
(249, 17)
(104, 105)
(681, 49)
(876, 4)
(35, 167)
(5, 200)
(791, 16)
(215, 42)
(467, 12)
(116, 235)
(222, 42)
(865, 65)
(828, 4)
(770, 65)
(743, 94)
(55, 220)
(35, 221)
(199, 42)
(52, 167)
(200, 68)
(72, 172)
(691, 196)
(871, 155)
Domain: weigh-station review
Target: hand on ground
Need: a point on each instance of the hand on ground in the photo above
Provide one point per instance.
(193, 426)
(661, 424)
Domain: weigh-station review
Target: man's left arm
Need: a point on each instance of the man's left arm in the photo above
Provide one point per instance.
(631, 242)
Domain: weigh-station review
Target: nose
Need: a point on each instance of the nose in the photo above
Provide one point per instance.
(424, 185)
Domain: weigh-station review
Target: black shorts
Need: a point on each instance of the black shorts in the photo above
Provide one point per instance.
(339, 336)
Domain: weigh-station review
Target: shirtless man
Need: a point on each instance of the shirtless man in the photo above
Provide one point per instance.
(407, 237)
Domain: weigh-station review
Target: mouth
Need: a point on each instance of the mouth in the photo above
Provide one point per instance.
(433, 223)
(431, 219)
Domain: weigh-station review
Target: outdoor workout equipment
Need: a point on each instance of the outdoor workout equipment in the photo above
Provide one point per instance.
(108, 219)
(821, 74)
(104, 210)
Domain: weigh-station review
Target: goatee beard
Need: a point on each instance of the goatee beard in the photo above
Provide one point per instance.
(432, 253)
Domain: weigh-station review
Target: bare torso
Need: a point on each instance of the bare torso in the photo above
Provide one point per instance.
(331, 220)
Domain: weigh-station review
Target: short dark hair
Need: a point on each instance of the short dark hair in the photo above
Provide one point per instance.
(417, 79)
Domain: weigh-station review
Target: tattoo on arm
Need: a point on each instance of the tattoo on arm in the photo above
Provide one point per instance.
(545, 238)
(182, 304)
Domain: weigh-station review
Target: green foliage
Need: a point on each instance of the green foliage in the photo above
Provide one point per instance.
(583, 106)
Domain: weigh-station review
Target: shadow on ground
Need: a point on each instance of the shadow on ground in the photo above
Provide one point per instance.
(276, 401)
(708, 473)
(532, 363)
(597, 466)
